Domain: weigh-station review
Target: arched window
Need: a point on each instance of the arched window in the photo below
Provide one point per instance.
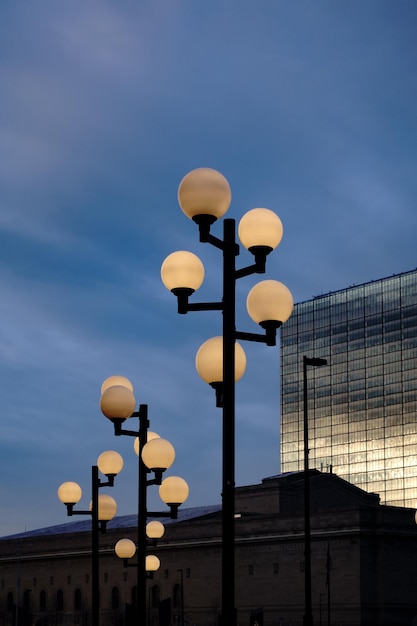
(59, 600)
(176, 596)
(42, 601)
(77, 600)
(10, 602)
(26, 600)
(155, 596)
(115, 598)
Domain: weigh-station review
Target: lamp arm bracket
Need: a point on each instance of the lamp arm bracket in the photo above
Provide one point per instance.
(219, 243)
(154, 481)
(255, 268)
(72, 512)
(204, 306)
(214, 241)
(269, 340)
(107, 483)
(159, 514)
(124, 431)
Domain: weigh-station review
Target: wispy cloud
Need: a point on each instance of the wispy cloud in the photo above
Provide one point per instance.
(308, 109)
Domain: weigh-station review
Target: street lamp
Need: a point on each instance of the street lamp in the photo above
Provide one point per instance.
(308, 611)
(102, 509)
(155, 455)
(204, 196)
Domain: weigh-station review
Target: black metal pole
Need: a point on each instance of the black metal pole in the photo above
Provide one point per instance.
(95, 547)
(308, 615)
(228, 481)
(308, 611)
(142, 515)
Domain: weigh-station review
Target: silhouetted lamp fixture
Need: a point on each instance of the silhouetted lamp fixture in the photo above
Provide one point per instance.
(204, 196)
(155, 455)
(102, 509)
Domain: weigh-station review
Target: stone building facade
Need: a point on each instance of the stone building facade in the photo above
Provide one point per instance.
(364, 564)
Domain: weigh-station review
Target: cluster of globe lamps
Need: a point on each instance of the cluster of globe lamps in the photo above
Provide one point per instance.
(118, 403)
(204, 196)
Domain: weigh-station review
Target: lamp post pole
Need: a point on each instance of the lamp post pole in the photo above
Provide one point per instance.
(109, 463)
(204, 196)
(95, 582)
(228, 481)
(308, 611)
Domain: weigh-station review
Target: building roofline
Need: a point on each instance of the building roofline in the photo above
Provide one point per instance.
(369, 282)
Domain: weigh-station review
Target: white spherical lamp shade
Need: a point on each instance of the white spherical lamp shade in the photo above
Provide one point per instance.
(158, 454)
(117, 402)
(155, 529)
(113, 381)
(182, 270)
(150, 435)
(110, 463)
(152, 563)
(107, 508)
(260, 227)
(209, 361)
(204, 191)
(70, 493)
(269, 300)
(125, 548)
(174, 490)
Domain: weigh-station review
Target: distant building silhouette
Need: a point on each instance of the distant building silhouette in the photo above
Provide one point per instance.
(363, 563)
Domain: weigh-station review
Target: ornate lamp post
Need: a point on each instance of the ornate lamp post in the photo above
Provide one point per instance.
(204, 196)
(155, 455)
(102, 509)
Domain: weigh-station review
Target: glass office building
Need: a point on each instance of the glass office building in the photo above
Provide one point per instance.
(362, 406)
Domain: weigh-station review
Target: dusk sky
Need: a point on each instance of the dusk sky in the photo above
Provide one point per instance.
(307, 107)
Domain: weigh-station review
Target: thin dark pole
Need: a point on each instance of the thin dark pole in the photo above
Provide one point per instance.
(142, 514)
(308, 611)
(228, 480)
(308, 614)
(95, 547)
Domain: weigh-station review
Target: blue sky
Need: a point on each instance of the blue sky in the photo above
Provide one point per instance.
(308, 108)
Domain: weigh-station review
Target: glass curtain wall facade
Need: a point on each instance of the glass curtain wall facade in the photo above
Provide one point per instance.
(362, 406)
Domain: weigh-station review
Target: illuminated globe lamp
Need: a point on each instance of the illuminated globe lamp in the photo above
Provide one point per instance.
(209, 364)
(182, 273)
(152, 565)
(116, 380)
(110, 463)
(204, 195)
(125, 549)
(70, 494)
(155, 530)
(117, 403)
(107, 509)
(260, 231)
(174, 491)
(158, 455)
(150, 435)
(270, 304)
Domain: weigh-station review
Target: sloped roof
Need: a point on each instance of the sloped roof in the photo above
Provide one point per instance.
(121, 521)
